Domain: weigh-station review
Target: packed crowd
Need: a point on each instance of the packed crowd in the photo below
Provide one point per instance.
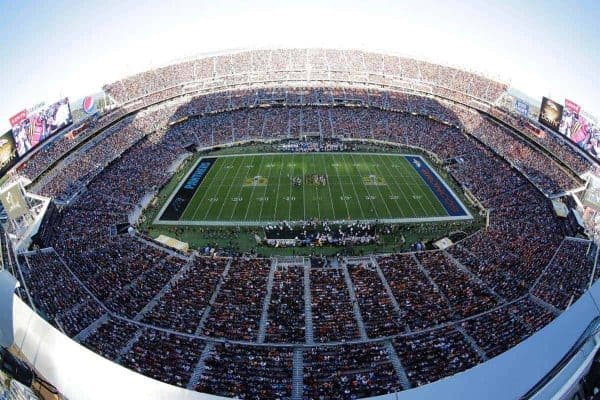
(237, 309)
(333, 316)
(163, 356)
(436, 354)
(286, 323)
(354, 370)
(568, 275)
(465, 295)
(512, 253)
(311, 145)
(39, 270)
(81, 167)
(497, 331)
(378, 314)
(182, 307)
(349, 371)
(110, 337)
(551, 141)
(314, 110)
(304, 65)
(54, 149)
(226, 298)
(248, 372)
(420, 301)
(131, 300)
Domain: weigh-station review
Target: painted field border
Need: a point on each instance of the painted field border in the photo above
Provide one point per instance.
(454, 207)
(464, 215)
(185, 192)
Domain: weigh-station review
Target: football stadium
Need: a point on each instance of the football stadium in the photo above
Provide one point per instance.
(301, 223)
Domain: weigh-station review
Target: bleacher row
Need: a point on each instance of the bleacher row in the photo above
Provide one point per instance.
(302, 65)
(162, 344)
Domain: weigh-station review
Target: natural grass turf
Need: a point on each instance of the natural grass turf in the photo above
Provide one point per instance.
(357, 186)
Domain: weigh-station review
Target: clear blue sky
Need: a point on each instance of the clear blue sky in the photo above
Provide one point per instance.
(71, 48)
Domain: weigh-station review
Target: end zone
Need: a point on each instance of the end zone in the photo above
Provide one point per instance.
(436, 184)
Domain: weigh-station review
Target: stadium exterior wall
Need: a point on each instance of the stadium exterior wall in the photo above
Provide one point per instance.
(81, 374)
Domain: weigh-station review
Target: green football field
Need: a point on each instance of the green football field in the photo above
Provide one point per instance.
(263, 188)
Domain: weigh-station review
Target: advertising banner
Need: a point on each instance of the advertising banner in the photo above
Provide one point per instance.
(18, 118)
(521, 107)
(550, 114)
(8, 152)
(88, 105)
(13, 201)
(572, 106)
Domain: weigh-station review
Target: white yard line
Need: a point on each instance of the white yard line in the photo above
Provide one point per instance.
(242, 189)
(391, 193)
(326, 159)
(351, 178)
(317, 191)
(358, 199)
(303, 192)
(380, 194)
(277, 192)
(324, 164)
(228, 191)
(253, 189)
(342, 189)
(262, 203)
(290, 176)
(408, 201)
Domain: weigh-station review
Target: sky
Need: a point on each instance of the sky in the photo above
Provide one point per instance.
(53, 49)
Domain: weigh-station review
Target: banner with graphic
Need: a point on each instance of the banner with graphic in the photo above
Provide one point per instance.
(572, 106)
(18, 118)
(521, 107)
(550, 114)
(32, 127)
(13, 201)
(8, 152)
(88, 105)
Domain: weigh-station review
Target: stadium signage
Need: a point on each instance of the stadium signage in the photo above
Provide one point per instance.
(36, 108)
(572, 106)
(8, 152)
(31, 127)
(13, 201)
(88, 106)
(550, 114)
(18, 118)
(521, 107)
(186, 192)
